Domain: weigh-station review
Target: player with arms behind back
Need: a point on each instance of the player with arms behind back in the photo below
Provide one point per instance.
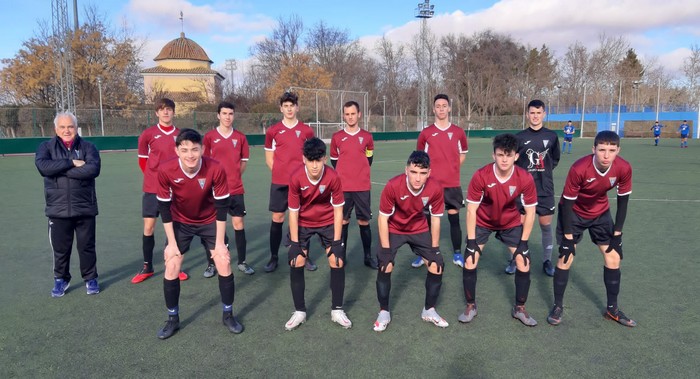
(352, 152)
(446, 144)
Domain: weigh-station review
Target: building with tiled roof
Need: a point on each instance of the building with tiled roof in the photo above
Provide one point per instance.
(183, 74)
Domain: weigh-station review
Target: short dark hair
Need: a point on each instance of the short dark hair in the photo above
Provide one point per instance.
(289, 97)
(225, 104)
(507, 142)
(352, 103)
(607, 137)
(569, 120)
(441, 96)
(419, 158)
(685, 120)
(314, 149)
(536, 103)
(165, 103)
(188, 135)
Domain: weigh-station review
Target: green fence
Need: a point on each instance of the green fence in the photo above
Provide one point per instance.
(29, 145)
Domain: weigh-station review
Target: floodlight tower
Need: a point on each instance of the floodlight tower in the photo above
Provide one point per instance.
(424, 11)
(62, 37)
(231, 66)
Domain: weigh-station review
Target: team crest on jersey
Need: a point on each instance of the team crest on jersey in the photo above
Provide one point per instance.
(322, 188)
(298, 132)
(361, 139)
(511, 189)
(612, 180)
(449, 135)
(235, 142)
(201, 183)
(425, 200)
(545, 142)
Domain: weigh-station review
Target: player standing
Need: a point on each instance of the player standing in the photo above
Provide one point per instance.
(538, 154)
(352, 151)
(656, 128)
(402, 221)
(446, 144)
(316, 207)
(584, 205)
(569, 131)
(283, 155)
(230, 147)
(684, 129)
(193, 199)
(156, 145)
(493, 193)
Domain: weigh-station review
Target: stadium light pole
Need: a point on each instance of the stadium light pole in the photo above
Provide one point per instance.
(99, 88)
(423, 12)
(231, 66)
(583, 108)
(658, 98)
(384, 113)
(619, 99)
(558, 95)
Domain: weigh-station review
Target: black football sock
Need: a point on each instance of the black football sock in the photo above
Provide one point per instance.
(366, 236)
(561, 278)
(383, 289)
(611, 277)
(241, 244)
(337, 287)
(227, 289)
(455, 232)
(149, 242)
(296, 280)
(469, 284)
(522, 286)
(171, 291)
(433, 283)
(275, 238)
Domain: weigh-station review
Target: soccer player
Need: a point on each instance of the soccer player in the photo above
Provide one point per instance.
(446, 144)
(283, 154)
(230, 147)
(316, 207)
(155, 146)
(69, 165)
(584, 205)
(402, 221)
(538, 153)
(352, 151)
(569, 131)
(656, 128)
(684, 129)
(492, 195)
(193, 199)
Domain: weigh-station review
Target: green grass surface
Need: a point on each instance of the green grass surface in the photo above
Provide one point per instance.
(113, 334)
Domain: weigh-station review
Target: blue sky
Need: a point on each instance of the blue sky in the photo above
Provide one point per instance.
(226, 29)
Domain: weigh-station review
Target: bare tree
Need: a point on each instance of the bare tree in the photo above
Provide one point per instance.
(278, 50)
(393, 67)
(691, 69)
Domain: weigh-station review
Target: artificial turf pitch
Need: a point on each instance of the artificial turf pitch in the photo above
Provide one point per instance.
(113, 334)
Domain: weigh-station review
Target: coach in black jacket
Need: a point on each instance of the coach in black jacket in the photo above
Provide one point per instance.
(69, 166)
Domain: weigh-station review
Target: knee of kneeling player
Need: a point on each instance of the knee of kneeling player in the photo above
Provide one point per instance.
(436, 266)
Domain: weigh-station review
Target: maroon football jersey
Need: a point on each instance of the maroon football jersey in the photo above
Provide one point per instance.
(192, 196)
(444, 148)
(314, 200)
(230, 151)
(350, 150)
(405, 207)
(157, 146)
(287, 143)
(496, 197)
(589, 187)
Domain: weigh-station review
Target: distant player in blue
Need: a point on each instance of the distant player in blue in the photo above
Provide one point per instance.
(657, 132)
(684, 129)
(569, 131)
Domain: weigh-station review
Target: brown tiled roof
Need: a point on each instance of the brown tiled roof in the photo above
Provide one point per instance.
(183, 48)
(164, 70)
